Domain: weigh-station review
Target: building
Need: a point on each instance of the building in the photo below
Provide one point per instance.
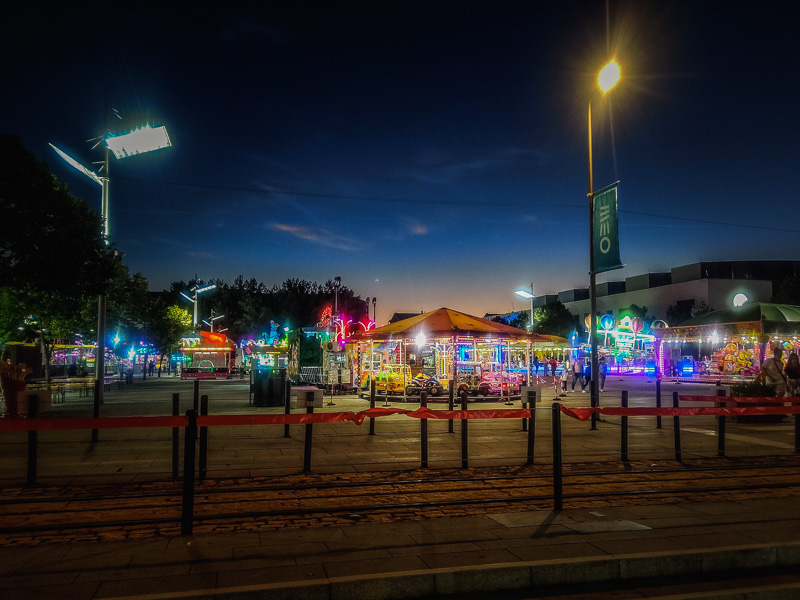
(720, 284)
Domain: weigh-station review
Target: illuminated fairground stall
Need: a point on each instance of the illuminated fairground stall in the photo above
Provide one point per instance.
(482, 356)
(628, 344)
(207, 356)
(730, 343)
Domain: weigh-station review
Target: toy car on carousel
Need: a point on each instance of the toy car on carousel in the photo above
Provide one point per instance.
(425, 383)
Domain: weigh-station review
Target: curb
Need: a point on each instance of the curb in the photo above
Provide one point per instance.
(516, 576)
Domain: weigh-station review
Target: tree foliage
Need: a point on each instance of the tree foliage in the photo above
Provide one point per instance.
(555, 319)
(53, 258)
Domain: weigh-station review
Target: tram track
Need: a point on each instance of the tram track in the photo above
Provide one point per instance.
(320, 500)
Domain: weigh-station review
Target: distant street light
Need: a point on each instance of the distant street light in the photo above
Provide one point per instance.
(135, 142)
(528, 295)
(211, 320)
(608, 77)
(193, 299)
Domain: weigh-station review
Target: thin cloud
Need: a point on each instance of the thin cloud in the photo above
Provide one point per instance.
(319, 236)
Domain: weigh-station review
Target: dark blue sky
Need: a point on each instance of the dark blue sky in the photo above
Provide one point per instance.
(431, 154)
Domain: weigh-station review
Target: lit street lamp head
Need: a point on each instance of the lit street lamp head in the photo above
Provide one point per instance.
(138, 141)
(609, 76)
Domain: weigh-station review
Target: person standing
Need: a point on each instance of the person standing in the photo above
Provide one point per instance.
(577, 373)
(602, 371)
(587, 376)
(565, 377)
(792, 372)
(553, 365)
(773, 371)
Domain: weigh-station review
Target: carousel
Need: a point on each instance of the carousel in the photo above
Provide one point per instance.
(427, 351)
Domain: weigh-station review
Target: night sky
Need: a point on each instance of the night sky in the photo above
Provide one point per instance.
(431, 154)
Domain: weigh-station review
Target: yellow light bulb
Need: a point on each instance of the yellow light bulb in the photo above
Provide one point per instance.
(609, 76)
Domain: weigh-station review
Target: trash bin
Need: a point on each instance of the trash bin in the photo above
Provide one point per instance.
(269, 387)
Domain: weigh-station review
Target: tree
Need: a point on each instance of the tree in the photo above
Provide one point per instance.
(677, 314)
(700, 309)
(167, 326)
(519, 320)
(53, 259)
(633, 311)
(554, 319)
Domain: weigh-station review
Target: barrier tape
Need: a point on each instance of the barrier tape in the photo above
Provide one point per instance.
(24, 424)
(742, 400)
(584, 414)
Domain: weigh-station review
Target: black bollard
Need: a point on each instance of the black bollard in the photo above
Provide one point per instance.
(196, 395)
(658, 401)
(176, 438)
(464, 433)
(372, 405)
(624, 428)
(309, 436)
(721, 426)
(287, 408)
(98, 387)
(187, 501)
(451, 391)
(797, 433)
(33, 440)
(423, 431)
(558, 491)
(531, 425)
(202, 462)
(676, 425)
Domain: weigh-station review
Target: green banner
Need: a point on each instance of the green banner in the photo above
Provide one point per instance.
(606, 230)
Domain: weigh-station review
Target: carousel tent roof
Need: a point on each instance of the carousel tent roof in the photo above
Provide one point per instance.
(446, 322)
(758, 311)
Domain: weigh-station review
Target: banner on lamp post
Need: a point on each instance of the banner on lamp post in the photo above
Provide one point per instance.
(606, 230)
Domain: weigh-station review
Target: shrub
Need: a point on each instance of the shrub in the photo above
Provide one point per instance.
(750, 389)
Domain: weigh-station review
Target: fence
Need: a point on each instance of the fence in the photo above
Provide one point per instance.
(195, 425)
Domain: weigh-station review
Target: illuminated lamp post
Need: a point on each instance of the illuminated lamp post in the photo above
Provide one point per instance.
(139, 141)
(193, 299)
(211, 320)
(374, 311)
(608, 77)
(528, 296)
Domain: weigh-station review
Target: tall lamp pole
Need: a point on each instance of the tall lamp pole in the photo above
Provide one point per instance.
(141, 140)
(527, 294)
(607, 79)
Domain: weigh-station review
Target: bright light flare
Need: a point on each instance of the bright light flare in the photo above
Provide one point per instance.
(138, 141)
(420, 339)
(74, 163)
(524, 294)
(609, 76)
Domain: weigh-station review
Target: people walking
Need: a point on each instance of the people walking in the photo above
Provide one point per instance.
(773, 371)
(577, 373)
(602, 371)
(587, 376)
(792, 372)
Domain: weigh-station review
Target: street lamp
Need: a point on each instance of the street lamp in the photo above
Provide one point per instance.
(527, 295)
(193, 299)
(138, 141)
(607, 78)
(211, 320)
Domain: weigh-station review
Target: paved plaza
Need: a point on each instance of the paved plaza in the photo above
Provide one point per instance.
(754, 542)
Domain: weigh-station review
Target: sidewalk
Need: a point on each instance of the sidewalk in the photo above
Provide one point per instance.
(657, 551)
(532, 552)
